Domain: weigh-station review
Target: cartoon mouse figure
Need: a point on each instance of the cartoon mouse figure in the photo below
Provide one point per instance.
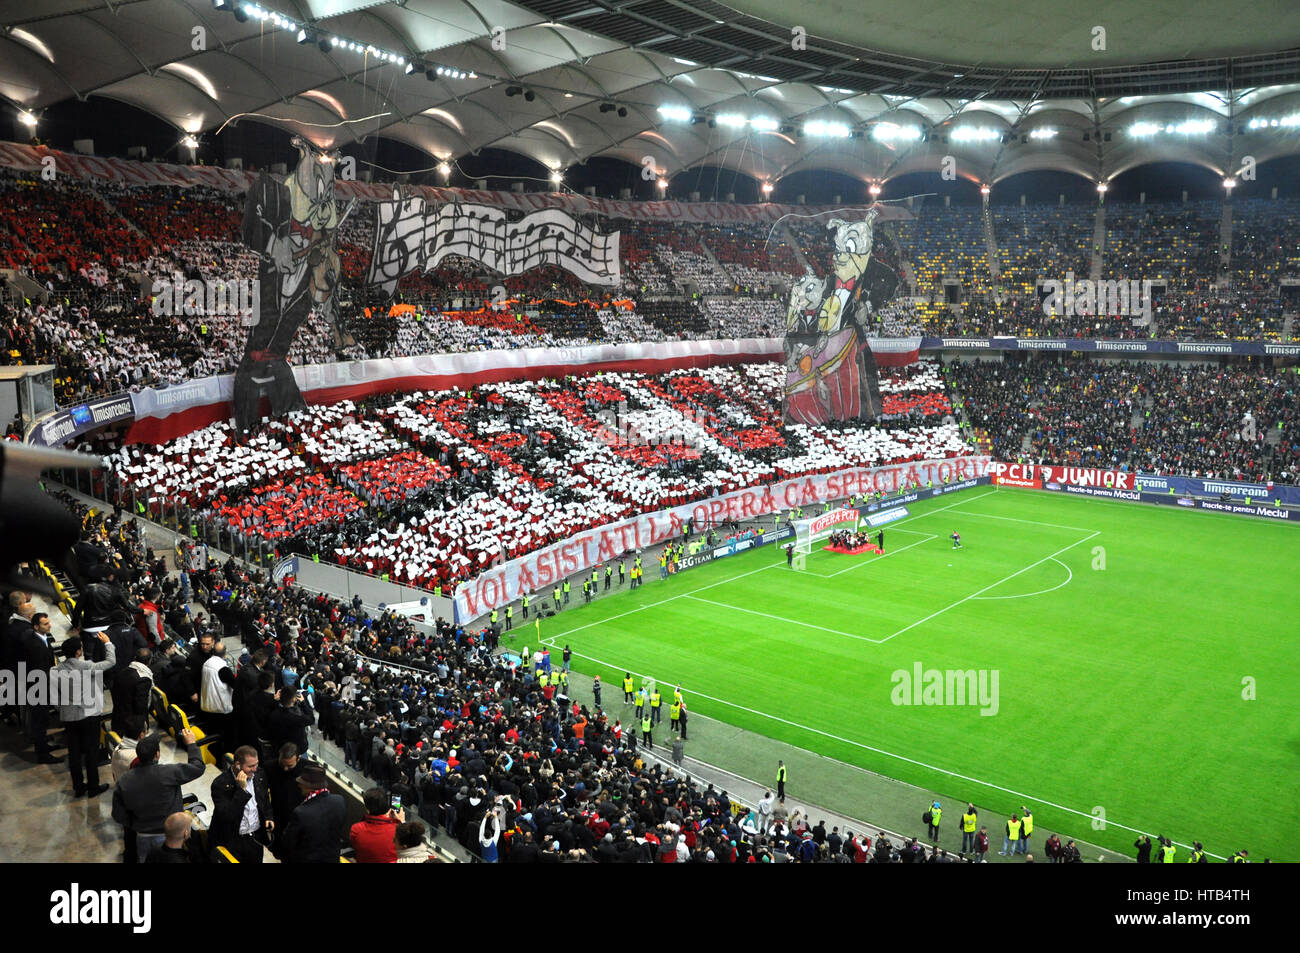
(292, 226)
(831, 373)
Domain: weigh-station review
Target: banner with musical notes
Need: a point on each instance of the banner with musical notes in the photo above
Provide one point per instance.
(413, 235)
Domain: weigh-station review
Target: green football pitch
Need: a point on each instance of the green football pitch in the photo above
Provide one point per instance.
(1146, 666)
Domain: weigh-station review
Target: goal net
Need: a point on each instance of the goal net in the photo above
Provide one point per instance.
(810, 531)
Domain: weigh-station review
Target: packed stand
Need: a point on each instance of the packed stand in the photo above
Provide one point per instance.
(509, 468)
(1192, 420)
(1175, 242)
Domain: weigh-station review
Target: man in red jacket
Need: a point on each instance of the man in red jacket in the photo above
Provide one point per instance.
(372, 836)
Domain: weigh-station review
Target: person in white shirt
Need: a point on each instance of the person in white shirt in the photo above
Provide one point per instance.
(217, 699)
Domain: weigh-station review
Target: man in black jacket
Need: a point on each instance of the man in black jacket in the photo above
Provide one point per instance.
(241, 808)
(131, 687)
(39, 658)
(247, 685)
(14, 637)
(169, 672)
(151, 792)
(288, 722)
(315, 832)
(282, 773)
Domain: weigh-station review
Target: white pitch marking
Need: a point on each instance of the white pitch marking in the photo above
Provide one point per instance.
(1040, 592)
(987, 588)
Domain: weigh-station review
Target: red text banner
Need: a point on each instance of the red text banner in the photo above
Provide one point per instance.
(540, 571)
(1036, 475)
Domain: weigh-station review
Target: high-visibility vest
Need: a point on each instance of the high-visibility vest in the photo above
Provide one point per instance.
(494, 616)
(1013, 830)
(1029, 824)
(968, 822)
(640, 700)
(525, 602)
(780, 773)
(645, 724)
(654, 700)
(566, 587)
(1196, 857)
(1168, 857)
(557, 593)
(675, 711)
(543, 680)
(510, 611)
(935, 814)
(627, 686)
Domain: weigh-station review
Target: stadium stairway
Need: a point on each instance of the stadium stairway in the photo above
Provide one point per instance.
(1225, 241)
(1098, 241)
(991, 243)
(784, 234)
(983, 441)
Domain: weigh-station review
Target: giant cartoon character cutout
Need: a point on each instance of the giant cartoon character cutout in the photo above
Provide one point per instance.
(831, 373)
(292, 226)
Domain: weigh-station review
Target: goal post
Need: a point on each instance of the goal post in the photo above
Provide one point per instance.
(808, 532)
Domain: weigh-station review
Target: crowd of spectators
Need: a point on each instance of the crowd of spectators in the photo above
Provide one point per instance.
(103, 337)
(508, 468)
(1197, 420)
(1178, 243)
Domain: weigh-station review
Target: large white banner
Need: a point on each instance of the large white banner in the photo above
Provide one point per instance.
(415, 235)
(541, 570)
(351, 380)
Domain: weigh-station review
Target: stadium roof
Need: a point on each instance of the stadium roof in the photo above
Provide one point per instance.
(564, 80)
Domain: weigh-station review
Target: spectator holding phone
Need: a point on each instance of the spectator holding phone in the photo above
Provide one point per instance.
(373, 837)
(241, 808)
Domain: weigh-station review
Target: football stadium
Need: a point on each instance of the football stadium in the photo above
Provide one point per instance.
(648, 431)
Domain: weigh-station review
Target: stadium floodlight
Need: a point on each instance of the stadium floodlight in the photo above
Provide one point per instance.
(27, 119)
(189, 142)
(412, 68)
(1043, 132)
(834, 130)
(557, 176)
(985, 190)
(675, 113)
(1229, 183)
(1103, 188)
(444, 170)
(874, 189)
(767, 188)
(975, 134)
(890, 131)
(731, 119)
(663, 184)
(763, 124)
